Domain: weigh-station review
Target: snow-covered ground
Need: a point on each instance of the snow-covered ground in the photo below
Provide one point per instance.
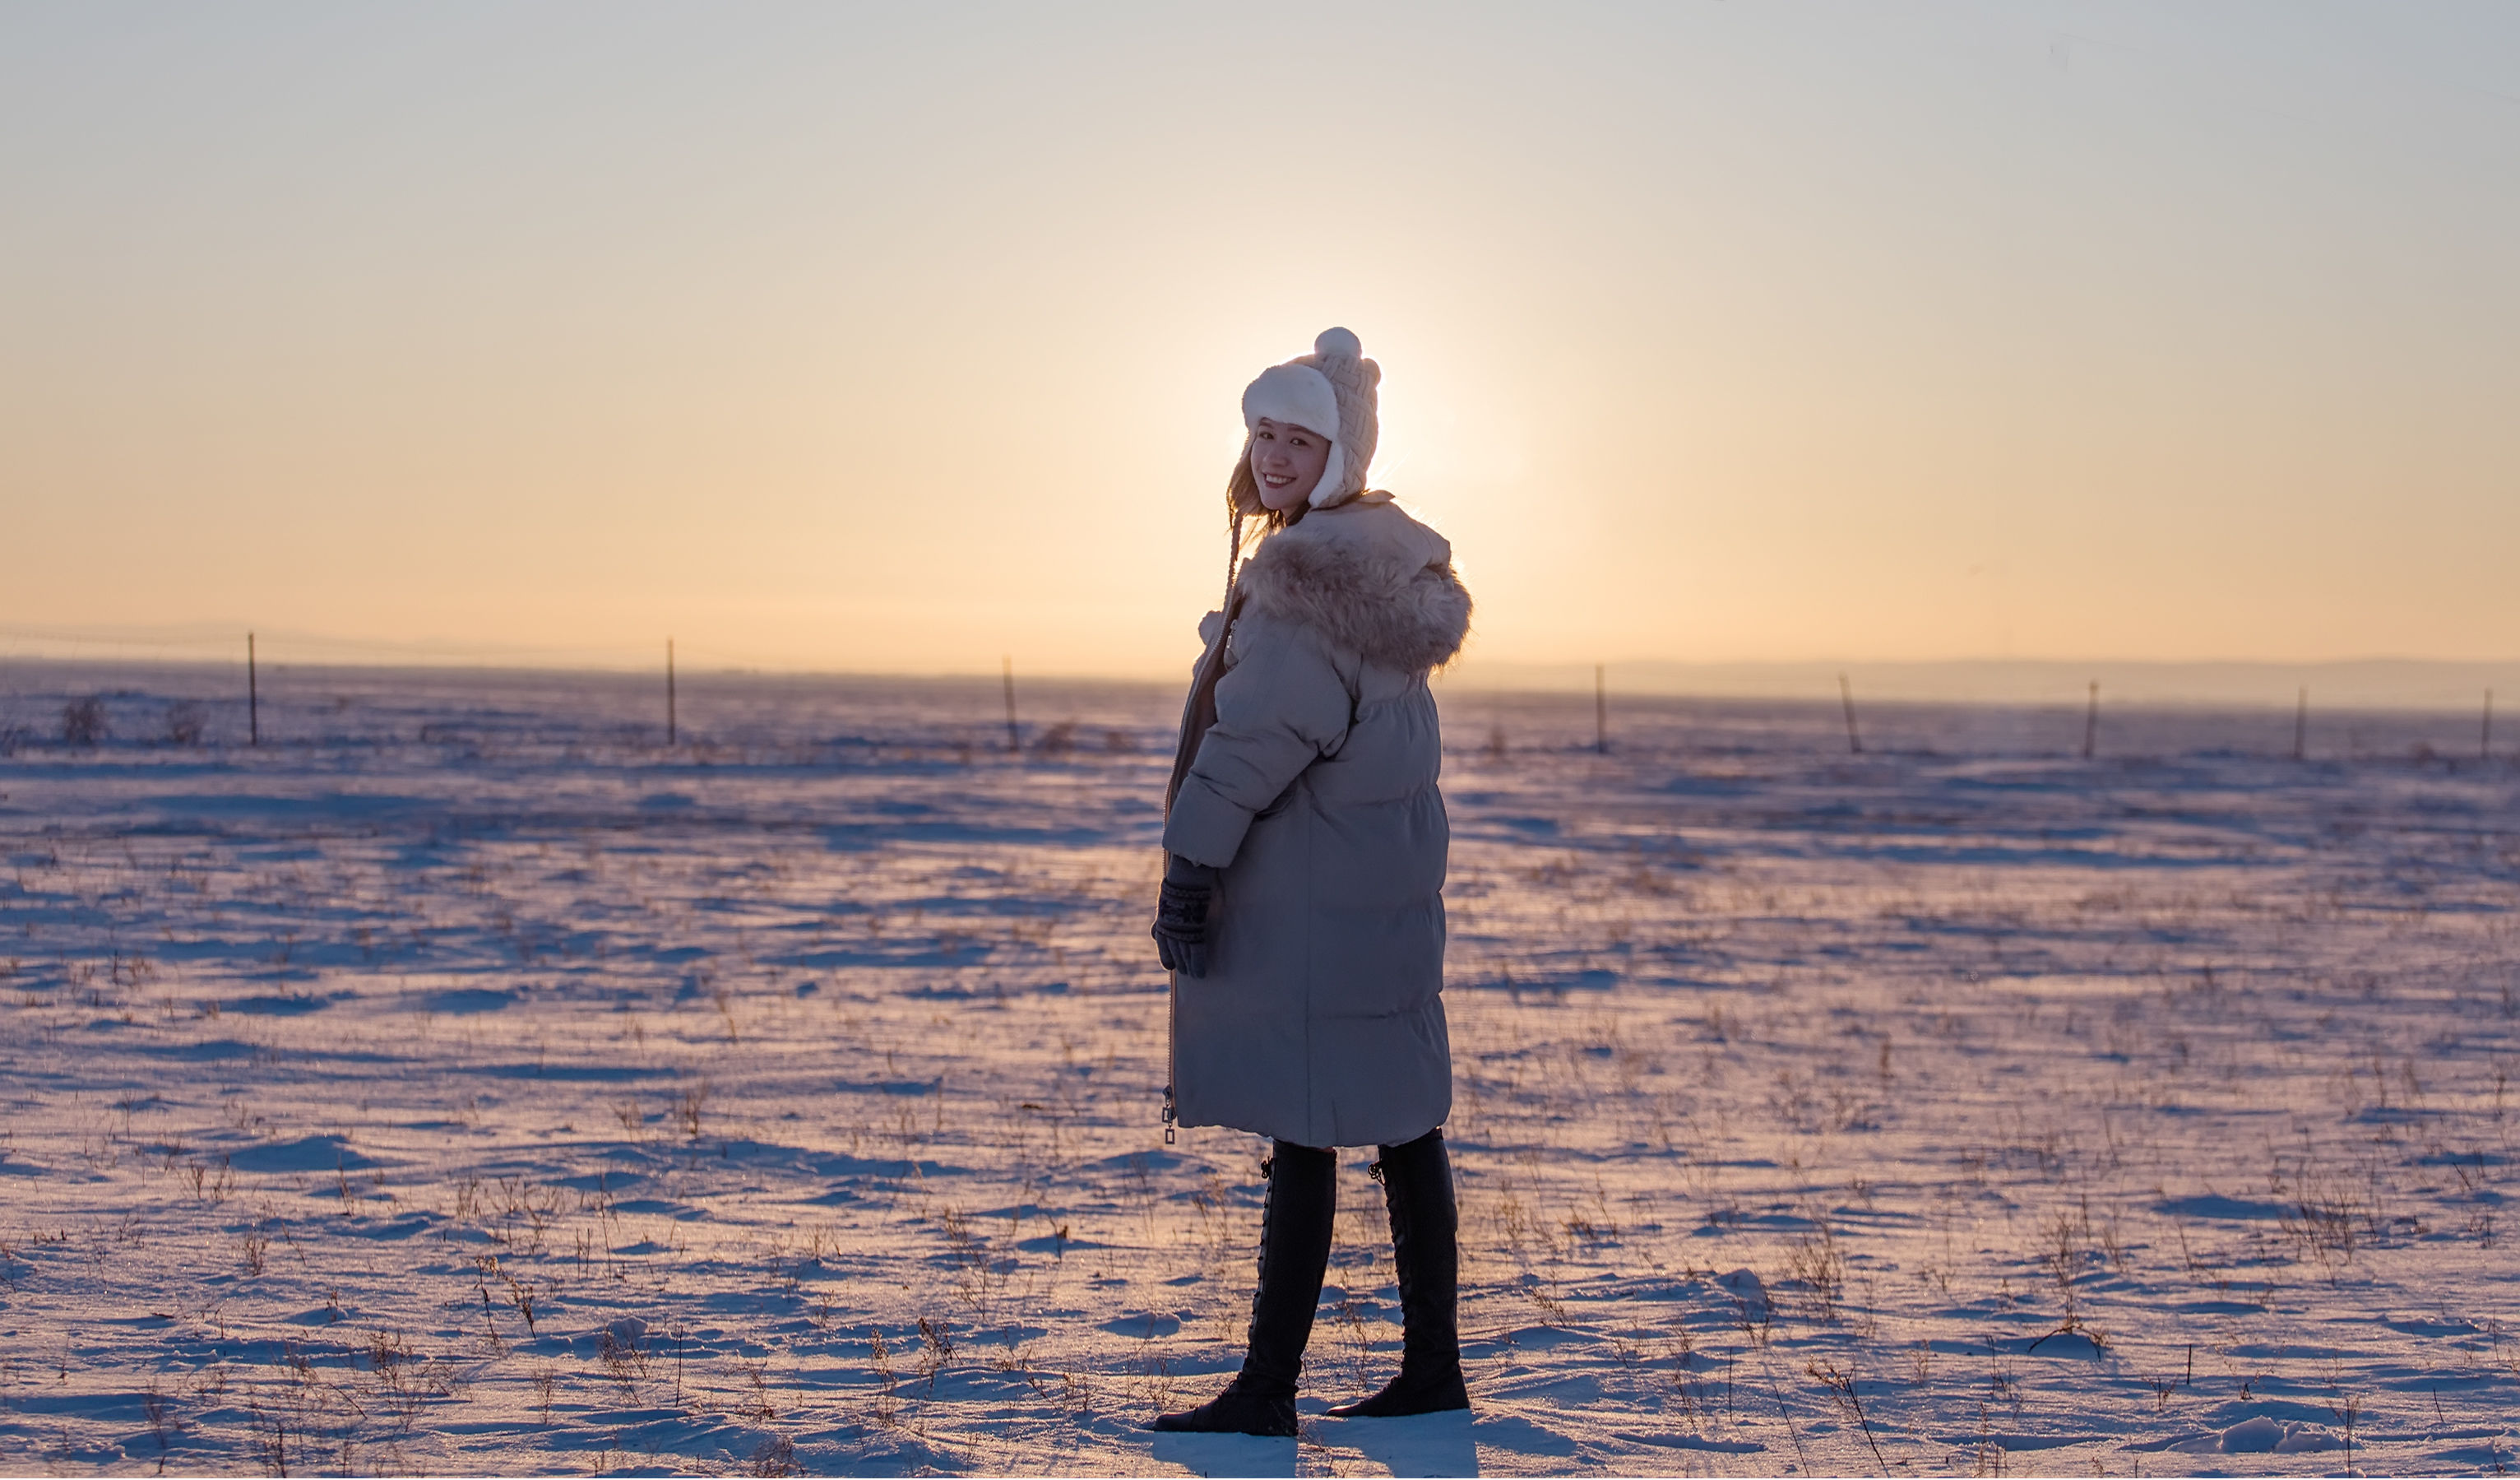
(462, 1081)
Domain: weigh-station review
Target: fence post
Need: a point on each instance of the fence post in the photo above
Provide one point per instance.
(673, 728)
(1600, 713)
(2301, 727)
(2091, 723)
(1846, 697)
(1015, 743)
(252, 696)
(2485, 737)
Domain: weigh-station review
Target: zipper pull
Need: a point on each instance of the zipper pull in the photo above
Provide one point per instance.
(1170, 1114)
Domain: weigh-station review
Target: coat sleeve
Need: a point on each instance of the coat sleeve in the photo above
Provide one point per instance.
(1283, 706)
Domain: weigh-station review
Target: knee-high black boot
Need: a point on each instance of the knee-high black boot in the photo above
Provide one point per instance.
(1425, 1250)
(1295, 1251)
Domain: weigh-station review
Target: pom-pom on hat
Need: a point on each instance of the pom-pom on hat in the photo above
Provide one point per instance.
(1330, 393)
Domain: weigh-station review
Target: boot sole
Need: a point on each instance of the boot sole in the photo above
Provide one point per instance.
(1159, 1426)
(1362, 1409)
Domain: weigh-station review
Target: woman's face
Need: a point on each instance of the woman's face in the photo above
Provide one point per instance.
(1288, 462)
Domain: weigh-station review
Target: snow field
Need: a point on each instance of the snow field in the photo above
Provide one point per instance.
(463, 1081)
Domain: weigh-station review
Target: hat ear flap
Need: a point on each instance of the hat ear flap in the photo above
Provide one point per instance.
(1334, 474)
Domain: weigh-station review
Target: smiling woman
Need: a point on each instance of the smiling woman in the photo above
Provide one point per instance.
(1301, 910)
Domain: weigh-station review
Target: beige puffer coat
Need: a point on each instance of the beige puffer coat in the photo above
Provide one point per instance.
(1320, 1020)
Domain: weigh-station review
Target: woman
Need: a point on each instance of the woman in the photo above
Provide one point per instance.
(1301, 911)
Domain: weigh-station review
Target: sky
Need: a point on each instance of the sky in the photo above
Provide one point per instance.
(911, 338)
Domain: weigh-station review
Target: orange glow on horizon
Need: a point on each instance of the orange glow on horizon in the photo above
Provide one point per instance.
(894, 346)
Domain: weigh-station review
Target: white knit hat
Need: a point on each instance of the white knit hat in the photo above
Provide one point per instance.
(1330, 392)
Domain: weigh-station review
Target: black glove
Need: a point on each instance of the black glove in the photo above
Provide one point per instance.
(1181, 915)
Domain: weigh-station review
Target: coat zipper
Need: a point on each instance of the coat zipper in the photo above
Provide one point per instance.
(1172, 1051)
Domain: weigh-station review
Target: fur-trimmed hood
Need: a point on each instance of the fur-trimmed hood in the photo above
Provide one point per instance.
(1368, 578)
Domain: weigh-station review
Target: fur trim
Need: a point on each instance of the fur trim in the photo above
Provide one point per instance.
(1400, 613)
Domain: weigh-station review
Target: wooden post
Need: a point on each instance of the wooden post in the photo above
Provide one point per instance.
(252, 697)
(1015, 743)
(1846, 696)
(2301, 727)
(2091, 723)
(1600, 713)
(673, 728)
(2485, 737)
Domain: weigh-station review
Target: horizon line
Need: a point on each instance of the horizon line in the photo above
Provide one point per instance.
(2377, 683)
(56, 645)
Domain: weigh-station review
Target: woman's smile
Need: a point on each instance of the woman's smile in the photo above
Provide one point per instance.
(1287, 461)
